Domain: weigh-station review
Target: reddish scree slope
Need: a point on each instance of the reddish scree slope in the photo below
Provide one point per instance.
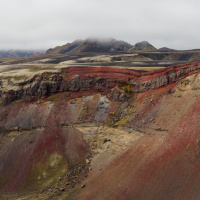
(36, 147)
(163, 164)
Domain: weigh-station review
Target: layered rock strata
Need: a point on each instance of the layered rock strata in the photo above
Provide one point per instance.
(74, 79)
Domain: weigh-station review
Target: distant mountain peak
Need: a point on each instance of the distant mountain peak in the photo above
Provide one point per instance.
(104, 45)
(143, 46)
(96, 39)
(144, 42)
(20, 53)
(165, 49)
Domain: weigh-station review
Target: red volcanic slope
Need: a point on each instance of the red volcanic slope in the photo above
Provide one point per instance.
(36, 147)
(103, 72)
(163, 165)
(124, 74)
(166, 71)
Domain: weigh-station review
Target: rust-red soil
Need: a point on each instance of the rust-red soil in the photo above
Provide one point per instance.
(51, 142)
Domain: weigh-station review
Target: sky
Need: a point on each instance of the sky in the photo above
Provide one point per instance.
(43, 24)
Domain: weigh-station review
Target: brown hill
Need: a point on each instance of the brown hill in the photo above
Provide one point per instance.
(142, 46)
(165, 49)
(91, 45)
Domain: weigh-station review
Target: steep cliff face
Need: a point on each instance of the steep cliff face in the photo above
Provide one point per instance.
(158, 78)
(108, 133)
(76, 79)
(70, 79)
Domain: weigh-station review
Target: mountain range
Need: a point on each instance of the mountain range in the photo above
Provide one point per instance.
(95, 47)
(20, 53)
(91, 45)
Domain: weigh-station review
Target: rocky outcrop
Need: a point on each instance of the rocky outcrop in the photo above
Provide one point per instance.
(70, 79)
(163, 77)
(100, 79)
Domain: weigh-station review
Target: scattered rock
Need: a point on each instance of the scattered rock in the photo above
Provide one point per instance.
(44, 175)
(150, 100)
(106, 140)
(59, 179)
(56, 187)
(16, 128)
(152, 119)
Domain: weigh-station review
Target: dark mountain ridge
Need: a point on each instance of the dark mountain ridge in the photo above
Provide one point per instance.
(20, 53)
(91, 45)
(143, 46)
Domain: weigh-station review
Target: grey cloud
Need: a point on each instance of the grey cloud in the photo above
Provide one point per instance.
(27, 24)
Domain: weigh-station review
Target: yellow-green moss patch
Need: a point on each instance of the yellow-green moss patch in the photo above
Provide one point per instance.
(53, 97)
(45, 174)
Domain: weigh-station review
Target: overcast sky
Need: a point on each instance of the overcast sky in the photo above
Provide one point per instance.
(42, 24)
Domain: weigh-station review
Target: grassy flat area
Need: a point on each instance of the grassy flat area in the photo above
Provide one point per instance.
(145, 68)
